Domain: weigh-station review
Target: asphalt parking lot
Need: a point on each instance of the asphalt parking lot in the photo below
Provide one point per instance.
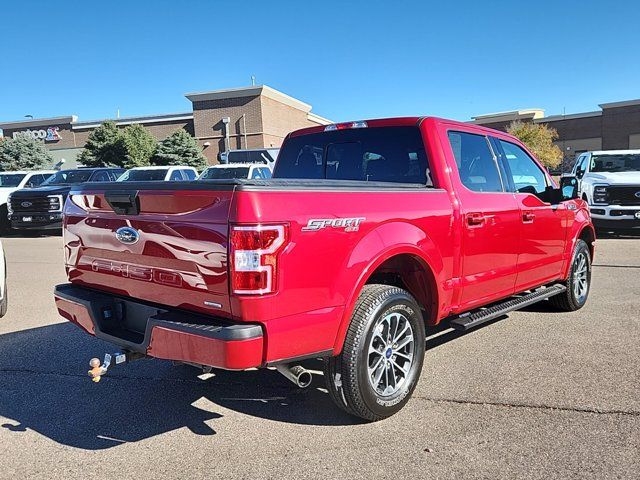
(536, 395)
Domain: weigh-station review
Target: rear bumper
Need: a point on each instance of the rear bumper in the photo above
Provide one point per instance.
(162, 333)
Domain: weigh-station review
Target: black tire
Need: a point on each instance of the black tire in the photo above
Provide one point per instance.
(5, 223)
(4, 304)
(569, 301)
(347, 375)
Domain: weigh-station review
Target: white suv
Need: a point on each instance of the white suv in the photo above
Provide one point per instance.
(610, 183)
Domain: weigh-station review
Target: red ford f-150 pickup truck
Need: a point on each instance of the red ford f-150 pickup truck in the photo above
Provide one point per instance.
(368, 233)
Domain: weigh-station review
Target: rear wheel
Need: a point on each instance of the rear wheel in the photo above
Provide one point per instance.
(5, 223)
(579, 281)
(381, 360)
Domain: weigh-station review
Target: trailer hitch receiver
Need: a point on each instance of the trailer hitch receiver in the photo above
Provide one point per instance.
(99, 370)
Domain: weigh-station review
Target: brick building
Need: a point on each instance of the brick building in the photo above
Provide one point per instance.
(616, 126)
(237, 118)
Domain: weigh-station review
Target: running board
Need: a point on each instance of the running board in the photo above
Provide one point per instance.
(472, 319)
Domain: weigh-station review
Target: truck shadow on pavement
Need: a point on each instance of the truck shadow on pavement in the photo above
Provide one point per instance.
(44, 387)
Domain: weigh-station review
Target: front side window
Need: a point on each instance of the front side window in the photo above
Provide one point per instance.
(100, 176)
(378, 154)
(526, 174)
(176, 176)
(581, 166)
(36, 180)
(476, 164)
(68, 177)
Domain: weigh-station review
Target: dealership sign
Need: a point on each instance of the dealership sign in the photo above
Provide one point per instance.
(49, 134)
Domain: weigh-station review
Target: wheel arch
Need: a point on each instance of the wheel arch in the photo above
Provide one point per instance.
(415, 267)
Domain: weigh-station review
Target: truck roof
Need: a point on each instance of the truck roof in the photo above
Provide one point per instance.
(395, 122)
(27, 171)
(161, 167)
(237, 165)
(615, 152)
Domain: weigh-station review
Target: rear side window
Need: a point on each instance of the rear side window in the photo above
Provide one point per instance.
(175, 176)
(476, 165)
(381, 154)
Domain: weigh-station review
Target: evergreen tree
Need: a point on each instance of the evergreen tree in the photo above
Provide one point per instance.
(139, 145)
(180, 148)
(105, 147)
(24, 153)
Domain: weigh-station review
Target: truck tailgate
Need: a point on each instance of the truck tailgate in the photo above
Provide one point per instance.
(161, 246)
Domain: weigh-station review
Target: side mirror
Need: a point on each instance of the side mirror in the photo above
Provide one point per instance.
(569, 187)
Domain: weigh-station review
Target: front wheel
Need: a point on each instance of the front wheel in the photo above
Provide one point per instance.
(381, 360)
(579, 281)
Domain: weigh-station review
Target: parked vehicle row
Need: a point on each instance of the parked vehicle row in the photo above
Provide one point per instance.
(34, 200)
(368, 233)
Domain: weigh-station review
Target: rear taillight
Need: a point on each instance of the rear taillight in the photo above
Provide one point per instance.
(254, 257)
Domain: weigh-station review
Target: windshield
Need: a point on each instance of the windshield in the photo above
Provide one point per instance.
(214, 173)
(380, 154)
(625, 162)
(67, 177)
(143, 175)
(11, 179)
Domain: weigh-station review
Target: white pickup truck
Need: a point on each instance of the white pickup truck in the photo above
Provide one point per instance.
(16, 180)
(610, 183)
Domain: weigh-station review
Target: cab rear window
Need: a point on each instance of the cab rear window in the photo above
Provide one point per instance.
(380, 154)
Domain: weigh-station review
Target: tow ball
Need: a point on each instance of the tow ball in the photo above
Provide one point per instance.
(99, 370)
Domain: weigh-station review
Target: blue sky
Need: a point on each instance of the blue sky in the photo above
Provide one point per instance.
(349, 60)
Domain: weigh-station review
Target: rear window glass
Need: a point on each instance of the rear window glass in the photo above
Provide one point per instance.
(250, 156)
(143, 175)
(382, 154)
(225, 173)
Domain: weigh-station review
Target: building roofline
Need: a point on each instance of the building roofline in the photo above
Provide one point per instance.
(624, 103)
(528, 113)
(252, 91)
(38, 122)
(318, 119)
(555, 118)
(167, 117)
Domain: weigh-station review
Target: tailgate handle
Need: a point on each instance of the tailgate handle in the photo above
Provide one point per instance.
(123, 203)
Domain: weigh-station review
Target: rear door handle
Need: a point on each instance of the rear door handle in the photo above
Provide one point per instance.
(475, 219)
(528, 217)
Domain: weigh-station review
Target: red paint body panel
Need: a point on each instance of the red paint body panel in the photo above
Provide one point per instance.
(181, 258)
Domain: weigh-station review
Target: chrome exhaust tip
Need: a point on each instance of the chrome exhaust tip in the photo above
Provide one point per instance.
(299, 375)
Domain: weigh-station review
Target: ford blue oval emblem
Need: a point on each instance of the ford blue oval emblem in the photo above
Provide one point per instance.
(127, 235)
(638, 194)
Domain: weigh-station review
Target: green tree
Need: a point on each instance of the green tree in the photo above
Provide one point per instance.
(180, 148)
(24, 153)
(139, 145)
(105, 147)
(538, 137)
